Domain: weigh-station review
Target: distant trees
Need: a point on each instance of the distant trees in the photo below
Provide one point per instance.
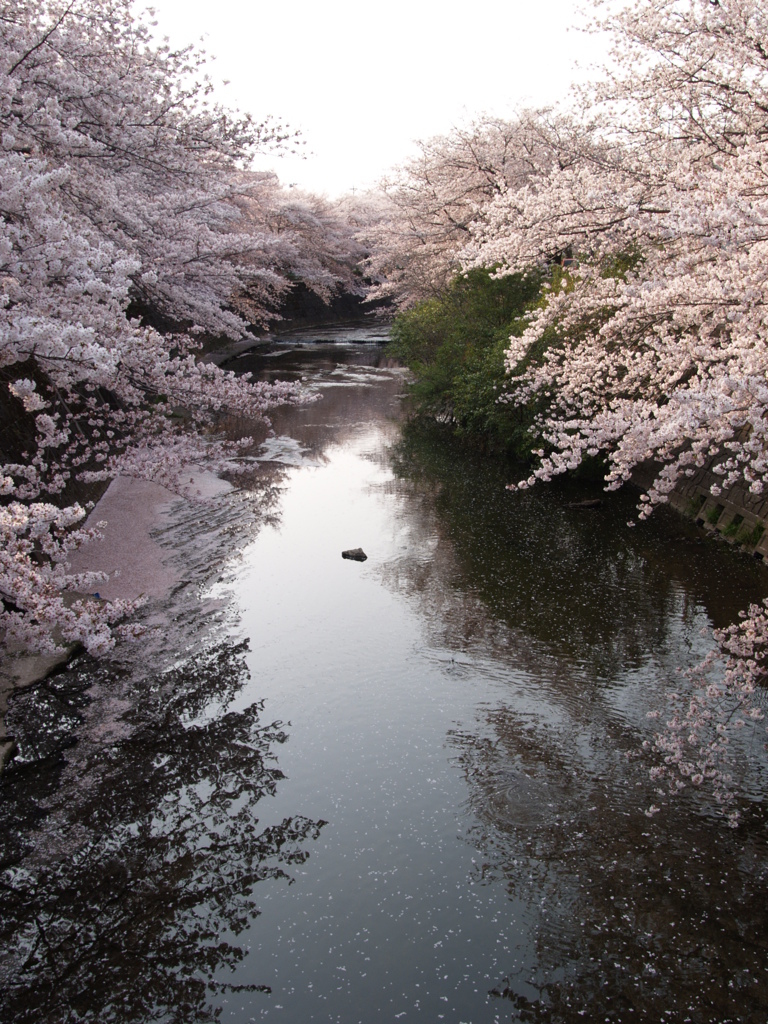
(125, 201)
(300, 237)
(431, 204)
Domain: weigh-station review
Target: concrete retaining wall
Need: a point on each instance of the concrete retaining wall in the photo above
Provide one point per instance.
(736, 515)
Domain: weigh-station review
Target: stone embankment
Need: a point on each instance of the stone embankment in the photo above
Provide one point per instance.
(735, 515)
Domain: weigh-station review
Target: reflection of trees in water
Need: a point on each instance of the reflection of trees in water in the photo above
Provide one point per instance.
(631, 919)
(126, 883)
(626, 918)
(579, 582)
(200, 540)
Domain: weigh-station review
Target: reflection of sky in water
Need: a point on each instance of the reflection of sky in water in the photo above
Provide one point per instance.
(465, 712)
(463, 706)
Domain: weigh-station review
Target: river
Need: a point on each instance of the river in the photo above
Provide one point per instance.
(410, 788)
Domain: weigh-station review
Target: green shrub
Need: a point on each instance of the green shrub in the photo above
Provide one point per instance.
(750, 537)
(695, 505)
(455, 347)
(733, 527)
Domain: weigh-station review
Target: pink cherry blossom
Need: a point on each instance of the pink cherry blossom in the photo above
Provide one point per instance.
(126, 200)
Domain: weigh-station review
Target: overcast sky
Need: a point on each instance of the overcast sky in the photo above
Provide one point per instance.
(363, 80)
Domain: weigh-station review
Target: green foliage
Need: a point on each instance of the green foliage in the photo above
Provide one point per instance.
(733, 527)
(695, 505)
(455, 344)
(750, 537)
(621, 263)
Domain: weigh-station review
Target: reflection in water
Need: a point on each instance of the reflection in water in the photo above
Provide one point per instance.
(536, 636)
(125, 897)
(608, 615)
(130, 843)
(635, 920)
(630, 919)
(356, 385)
(466, 711)
(578, 581)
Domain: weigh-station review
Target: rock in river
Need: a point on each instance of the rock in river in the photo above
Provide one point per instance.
(355, 553)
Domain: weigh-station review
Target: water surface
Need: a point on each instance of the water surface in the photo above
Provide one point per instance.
(406, 789)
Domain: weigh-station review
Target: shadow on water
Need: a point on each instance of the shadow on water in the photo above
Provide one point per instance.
(149, 858)
(634, 919)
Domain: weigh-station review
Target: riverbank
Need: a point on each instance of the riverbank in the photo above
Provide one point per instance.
(732, 514)
(127, 516)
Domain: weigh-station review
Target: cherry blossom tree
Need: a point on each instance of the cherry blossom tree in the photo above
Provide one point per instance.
(315, 240)
(662, 352)
(125, 201)
(426, 207)
(656, 344)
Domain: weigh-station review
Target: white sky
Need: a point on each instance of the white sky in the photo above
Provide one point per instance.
(362, 80)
